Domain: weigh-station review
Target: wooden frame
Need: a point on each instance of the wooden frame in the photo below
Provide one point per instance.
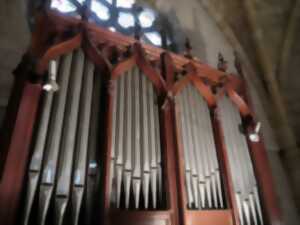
(169, 216)
(262, 169)
(205, 217)
(57, 34)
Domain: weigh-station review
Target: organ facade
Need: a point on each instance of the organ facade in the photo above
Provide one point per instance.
(104, 129)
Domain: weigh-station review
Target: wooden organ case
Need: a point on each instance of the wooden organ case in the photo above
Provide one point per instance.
(102, 129)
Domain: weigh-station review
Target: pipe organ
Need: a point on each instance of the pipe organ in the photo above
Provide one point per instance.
(244, 182)
(202, 174)
(136, 146)
(108, 130)
(63, 144)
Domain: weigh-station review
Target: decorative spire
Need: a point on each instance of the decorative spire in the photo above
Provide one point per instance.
(84, 11)
(237, 62)
(137, 27)
(188, 48)
(222, 63)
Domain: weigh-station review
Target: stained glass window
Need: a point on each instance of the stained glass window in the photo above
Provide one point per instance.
(120, 16)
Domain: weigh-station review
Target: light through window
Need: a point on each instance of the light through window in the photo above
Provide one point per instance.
(101, 10)
(63, 6)
(154, 38)
(120, 16)
(126, 20)
(125, 3)
(146, 18)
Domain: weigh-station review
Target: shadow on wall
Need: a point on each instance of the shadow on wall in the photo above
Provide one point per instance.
(14, 38)
(178, 33)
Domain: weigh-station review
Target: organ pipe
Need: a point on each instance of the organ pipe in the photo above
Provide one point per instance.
(64, 147)
(201, 163)
(136, 143)
(245, 185)
(140, 151)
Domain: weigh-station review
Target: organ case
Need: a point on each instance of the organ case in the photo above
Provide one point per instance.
(134, 133)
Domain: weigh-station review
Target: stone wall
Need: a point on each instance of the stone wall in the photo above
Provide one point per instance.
(14, 39)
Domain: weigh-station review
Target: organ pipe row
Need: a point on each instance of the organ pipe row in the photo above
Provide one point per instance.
(63, 174)
(64, 147)
(202, 174)
(111, 139)
(136, 149)
(241, 168)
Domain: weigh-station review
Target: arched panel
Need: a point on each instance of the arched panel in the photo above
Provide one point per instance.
(240, 163)
(202, 174)
(136, 169)
(63, 161)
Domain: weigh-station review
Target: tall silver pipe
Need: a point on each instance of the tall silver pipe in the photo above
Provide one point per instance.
(128, 136)
(53, 142)
(35, 165)
(64, 171)
(199, 151)
(93, 167)
(80, 163)
(202, 160)
(137, 170)
(202, 157)
(190, 147)
(183, 129)
(206, 131)
(241, 165)
(145, 142)
(120, 139)
(237, 175)
(152, 144)
(137, 133)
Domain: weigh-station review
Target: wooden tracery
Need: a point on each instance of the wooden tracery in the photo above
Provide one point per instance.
(172, 80)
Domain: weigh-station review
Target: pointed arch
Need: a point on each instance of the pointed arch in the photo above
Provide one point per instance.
(138, 59)
(196, 81)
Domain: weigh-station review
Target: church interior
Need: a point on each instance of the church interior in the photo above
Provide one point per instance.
(149, 112)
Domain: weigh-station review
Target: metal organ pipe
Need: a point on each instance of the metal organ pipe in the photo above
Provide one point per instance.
(200, 156)
(80, 164)
(93, 165)
(62, 146)
(54, 137)
(38, 152)
(244, 181)
(136, 160)
(67, 147)
(137, 172)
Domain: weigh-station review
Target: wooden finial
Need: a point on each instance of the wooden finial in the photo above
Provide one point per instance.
(237, 62)
(137, 27)
(84, 12)
(137, 31)
(188, 48)
(222, 63)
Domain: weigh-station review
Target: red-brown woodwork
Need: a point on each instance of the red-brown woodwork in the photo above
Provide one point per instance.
(224, 164)
(10, 118)
(200, 86)
(262, 171)
(169, 216)
(168, 69)
(102, 35)
(48, 42)
(206, 217)
(139, 59)
(57, 50)
(12, 181)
